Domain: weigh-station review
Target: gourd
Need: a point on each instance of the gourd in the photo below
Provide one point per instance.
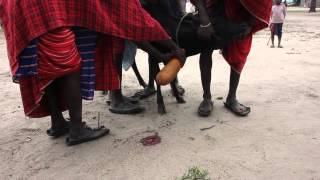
(169, 72)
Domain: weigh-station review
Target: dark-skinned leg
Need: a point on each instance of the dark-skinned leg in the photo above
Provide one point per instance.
(120, 104)
(59, 126)
(70, 85)
(232, 103)
(272, 40)
(279, 39)
(79, 132)
(206, 105)
(279, 32)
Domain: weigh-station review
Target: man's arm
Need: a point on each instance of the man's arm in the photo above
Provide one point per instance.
(204, 17)
(160, 56)
(205, 31)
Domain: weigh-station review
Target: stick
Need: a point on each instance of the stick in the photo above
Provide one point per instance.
(204, 129)
(98, 119)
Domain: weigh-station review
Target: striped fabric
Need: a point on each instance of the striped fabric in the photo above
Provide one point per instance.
(27, 61)
(86, 43)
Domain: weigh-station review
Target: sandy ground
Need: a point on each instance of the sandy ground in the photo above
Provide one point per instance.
(280, 139)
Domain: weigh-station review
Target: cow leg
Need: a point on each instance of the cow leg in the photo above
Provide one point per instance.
(179, 88)
(155, 69)
(149, 90)
(138, 75)
(177, 92)
(161, 107)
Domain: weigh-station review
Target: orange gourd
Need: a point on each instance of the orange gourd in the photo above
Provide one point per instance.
(169, 72)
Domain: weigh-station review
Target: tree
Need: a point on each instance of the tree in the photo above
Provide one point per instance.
(313, 6)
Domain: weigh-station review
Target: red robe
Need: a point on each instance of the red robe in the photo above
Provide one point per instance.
(237, 52)
(115, 20)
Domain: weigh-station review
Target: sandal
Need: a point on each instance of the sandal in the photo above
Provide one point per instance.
(126, 108)
(205, 108)
(56, 132)
(87, 134)
(237, 108)
(132, 100)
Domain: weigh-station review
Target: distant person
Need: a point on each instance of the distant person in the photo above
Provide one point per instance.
(278, 15)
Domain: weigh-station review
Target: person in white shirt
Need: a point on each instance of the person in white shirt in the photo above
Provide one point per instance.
(278, 15)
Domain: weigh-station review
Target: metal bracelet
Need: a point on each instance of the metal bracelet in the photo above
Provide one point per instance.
(205, 26)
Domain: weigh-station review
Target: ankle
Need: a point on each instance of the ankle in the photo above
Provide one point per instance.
(75, 128)
(207, 97)
(58, 122)
(231, 98)
(151, 86)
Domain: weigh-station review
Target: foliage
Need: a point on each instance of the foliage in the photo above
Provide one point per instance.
(196, 173)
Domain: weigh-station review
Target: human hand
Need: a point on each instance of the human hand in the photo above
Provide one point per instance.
(177, 53)
(181, 55)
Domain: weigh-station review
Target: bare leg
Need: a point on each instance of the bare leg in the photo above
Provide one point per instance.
(280, 35)
(272, 40)
(279, 41)
(79, 132)
(59, 126)
(232, 103)
(70, 85)
(121, 104)
(206, 105)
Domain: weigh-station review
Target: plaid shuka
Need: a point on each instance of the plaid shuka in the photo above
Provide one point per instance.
(100, 28)
(237, 52)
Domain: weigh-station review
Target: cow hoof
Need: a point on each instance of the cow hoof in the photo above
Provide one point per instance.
(162, 109)
(180, 100)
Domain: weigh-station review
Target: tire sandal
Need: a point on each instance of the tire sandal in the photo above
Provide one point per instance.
(133, 100)
(56, 132)
(87, 134)
(202, 111)
(127, 108)
(235, 108)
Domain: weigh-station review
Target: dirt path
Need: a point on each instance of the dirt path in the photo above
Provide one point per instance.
(279, 140)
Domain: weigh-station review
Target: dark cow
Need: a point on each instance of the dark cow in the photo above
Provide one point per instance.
(183, 31)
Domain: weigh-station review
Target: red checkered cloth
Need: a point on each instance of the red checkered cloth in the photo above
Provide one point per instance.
(237, 52)
(115, 20)
(24, 20)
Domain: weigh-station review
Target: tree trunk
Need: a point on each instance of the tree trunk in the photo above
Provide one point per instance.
(313, 6)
